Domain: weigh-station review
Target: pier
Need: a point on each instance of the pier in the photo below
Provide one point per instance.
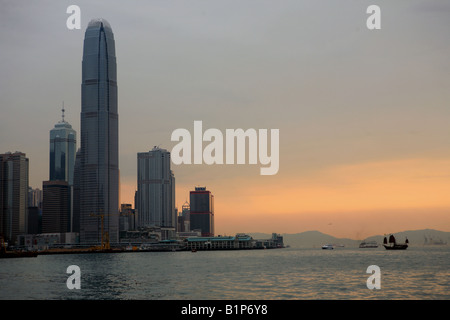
(237, 242)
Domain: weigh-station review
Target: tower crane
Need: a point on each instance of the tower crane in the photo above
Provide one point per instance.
(105, 245)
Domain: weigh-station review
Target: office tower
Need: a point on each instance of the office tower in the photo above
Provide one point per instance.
(156, 190)
(99, 150)
(184, 219)
(136, 214)
(62, 151)
(13, 195)
(202, 211)
(76, 193)
(127, 218)
(57, 201)
(56, 209)
(34, 220)
(34, 197)
(34, 210)
(180, 221)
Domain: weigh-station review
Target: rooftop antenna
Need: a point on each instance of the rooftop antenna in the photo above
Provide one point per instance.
(63, 111)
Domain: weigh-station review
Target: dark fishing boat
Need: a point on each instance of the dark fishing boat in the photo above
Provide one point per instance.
(393, 245)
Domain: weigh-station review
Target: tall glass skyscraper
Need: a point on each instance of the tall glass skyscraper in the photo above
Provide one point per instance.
(57, 204)
(99, 150)
(62, 151)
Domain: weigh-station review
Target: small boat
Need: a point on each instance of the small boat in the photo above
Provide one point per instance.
(368, 244)
(194, 250)
(393, 245)
(328, 247)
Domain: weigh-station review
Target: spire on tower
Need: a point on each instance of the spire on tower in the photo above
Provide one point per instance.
(63, 112)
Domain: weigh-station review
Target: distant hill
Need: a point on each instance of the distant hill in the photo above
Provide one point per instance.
(316, 239)
(419, 237)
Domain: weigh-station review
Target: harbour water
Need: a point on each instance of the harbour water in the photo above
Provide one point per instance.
(276, 274)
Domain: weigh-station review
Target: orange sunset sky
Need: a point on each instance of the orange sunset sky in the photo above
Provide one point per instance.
(354, 201)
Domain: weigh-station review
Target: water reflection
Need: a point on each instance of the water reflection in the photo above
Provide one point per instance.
(261, 274)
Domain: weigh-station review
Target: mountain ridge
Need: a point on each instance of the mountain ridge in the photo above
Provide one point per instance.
(315, 238)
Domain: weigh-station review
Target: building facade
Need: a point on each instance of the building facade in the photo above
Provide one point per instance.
(56, 207)
(99, 147)
(57, 204)
(127, 218)
(184, 219)
(76, 193)
(13, 195)
(62, 151)
(34, 210)
(202, 211)
(155, 190)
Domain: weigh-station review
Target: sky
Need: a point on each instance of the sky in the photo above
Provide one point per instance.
(363, 115)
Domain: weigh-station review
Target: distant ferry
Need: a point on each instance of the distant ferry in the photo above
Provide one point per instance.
(328, 247)
(368, 244)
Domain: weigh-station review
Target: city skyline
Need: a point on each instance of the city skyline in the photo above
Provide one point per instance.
(363, 115)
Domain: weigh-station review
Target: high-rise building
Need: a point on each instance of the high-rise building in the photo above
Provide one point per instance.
(76, 193)
(34, 197)
(202, 211)
(62, 151)
(34, 210)
(13, 195)
(99, 150)
(127, 218)
(184, 219)
(155, 190)
(56, 209)
(34, 220)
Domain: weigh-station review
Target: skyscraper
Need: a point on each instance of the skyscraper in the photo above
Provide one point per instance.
(76, 193)
(184, 219)
(57, 213)
(99, 150)
(62, 151)
(202, 211)
(35, 198)
(56, 209)
(156, 190)
(13, 195)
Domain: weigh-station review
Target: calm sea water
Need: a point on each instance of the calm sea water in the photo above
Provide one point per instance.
(291, 273)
